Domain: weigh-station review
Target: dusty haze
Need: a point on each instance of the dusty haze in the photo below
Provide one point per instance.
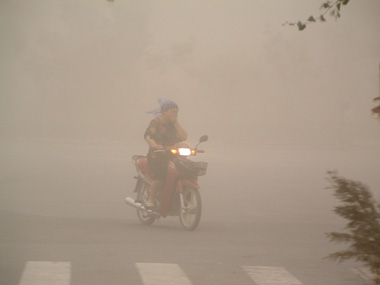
(78, 77)
(281, 107)
(89, 71)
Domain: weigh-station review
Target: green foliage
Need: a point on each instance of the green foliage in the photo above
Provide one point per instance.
(330, 6)
(363, 213)
(376, 110)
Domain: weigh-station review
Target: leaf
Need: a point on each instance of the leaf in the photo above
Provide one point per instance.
(311, 19)
(325, 5)
(345, 2)
(322, 18)
(342, 255)
(301, 26)
(338, 6)
(339, 237)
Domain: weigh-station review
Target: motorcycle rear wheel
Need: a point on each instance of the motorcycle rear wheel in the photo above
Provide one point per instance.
(144, 217)
(190, 215)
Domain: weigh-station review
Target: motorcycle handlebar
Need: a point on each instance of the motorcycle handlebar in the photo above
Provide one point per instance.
(165, 150)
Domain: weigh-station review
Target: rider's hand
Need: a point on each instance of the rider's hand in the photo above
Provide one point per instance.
(158, 147)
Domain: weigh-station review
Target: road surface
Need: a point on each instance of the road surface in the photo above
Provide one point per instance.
(266, 211)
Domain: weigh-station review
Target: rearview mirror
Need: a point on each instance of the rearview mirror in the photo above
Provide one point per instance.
(203, 139)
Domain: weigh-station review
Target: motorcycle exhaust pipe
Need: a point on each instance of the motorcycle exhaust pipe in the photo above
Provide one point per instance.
(131, 202)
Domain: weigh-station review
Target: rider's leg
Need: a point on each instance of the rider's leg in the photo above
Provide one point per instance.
(155, 188)
(158, 166)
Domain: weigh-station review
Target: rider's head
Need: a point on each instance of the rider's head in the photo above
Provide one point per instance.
(168, 104)
(169, 110)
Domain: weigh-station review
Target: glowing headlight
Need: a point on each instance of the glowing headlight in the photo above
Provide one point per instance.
(184, 151)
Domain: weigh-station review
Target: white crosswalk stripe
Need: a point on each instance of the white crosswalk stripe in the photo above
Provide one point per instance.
(46, 273)
(162, 274)
(264, 275)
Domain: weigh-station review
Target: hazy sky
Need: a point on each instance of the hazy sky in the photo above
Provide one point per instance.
(90, 70)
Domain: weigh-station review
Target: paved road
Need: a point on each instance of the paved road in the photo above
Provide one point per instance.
(63, 220)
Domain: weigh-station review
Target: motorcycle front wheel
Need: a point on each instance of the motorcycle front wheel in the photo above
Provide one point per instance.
(144, 217)
(190, 212)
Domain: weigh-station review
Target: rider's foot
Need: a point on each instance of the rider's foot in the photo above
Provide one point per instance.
(149, 204)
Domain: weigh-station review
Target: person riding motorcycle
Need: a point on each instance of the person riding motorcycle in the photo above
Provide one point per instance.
(163, 131)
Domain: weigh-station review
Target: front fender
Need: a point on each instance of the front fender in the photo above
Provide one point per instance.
(188, 182)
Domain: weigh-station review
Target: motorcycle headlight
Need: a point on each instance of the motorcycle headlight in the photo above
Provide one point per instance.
(184, 151)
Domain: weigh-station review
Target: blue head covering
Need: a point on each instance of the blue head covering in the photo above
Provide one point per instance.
(165, 104)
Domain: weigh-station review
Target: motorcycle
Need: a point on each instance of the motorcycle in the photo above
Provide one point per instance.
(180, 194)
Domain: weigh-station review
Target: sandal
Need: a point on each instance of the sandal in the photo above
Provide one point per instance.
(149, 204)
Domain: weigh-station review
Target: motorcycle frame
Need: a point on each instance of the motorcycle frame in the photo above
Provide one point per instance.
(174, 182)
